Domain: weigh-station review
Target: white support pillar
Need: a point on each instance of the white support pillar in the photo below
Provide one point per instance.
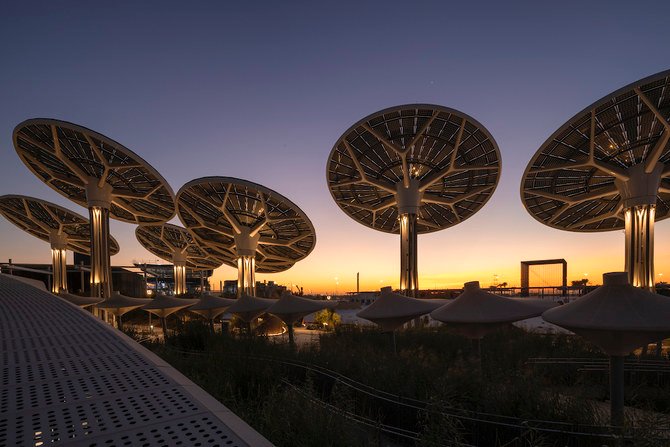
(58, 261)
(409, 201)
(639, 203)
(246, 244)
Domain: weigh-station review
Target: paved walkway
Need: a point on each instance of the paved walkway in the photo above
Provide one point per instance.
(69, 379)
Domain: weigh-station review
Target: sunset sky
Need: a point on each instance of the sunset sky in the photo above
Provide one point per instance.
(263, 90)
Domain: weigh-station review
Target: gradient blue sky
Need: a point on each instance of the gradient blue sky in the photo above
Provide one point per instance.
(262, 90)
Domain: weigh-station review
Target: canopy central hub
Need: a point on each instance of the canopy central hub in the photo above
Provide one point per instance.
(100, 196)
(245, 243)
(642, 187)
(179, 258)
(408, 198)
(57, 240)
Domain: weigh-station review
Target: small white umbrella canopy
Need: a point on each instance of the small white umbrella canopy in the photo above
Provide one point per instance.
(290, 308)
(392, 310)
(119, 305)
(211, 306)
(81, 301)
(475, 312)
(616, 317)
(163, 305)
(248, 307)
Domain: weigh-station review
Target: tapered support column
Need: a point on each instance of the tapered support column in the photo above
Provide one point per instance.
(409, 275)
(59, 270)
(246, 275)
(640, 245)
(99, 197)
(58, 242)
(246, 244)
(179, 272)
(179, 279)
(101, 272)
(408, 198)
(639, 194)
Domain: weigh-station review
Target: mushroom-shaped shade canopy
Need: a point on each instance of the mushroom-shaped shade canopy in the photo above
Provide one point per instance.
(569, 183)
(163, 305)
(453, 157)
(211, 306)
(476, 312)
(392, 310)
(67, 157)
(616, 317)
(119, 304)
(290, 308)
(81, 301)
(211, 208)
(41, 218)
(166, 240)
(248, 307)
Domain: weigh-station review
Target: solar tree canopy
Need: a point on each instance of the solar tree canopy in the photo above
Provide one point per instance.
(253, 227)
(71, 159)
(413, 169)
(168, 241)
(99, 173)
(453, 160)
(605, 169)
(46, 220)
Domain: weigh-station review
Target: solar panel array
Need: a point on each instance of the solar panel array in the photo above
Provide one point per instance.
(39, 217)
(455, 159)
(68, 379)
(163, 240)
(66, 157)
(210, 208)
(570, 182)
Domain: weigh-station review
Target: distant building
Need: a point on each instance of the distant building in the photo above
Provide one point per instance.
(265, 289)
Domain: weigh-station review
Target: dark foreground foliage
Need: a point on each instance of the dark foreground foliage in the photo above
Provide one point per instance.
(352, 389)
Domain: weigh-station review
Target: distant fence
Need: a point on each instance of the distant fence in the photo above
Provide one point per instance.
(542, 292)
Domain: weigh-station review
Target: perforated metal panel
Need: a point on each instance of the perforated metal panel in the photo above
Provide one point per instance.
(68, 379)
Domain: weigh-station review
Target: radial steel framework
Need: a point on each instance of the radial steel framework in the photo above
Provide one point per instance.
(253, 227)
(413, 169)
(62, 228)
(607, 169)
(98, 173)
(175, 244)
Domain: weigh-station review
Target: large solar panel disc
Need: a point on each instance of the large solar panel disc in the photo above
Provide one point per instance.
(210, 208)
(67, 157)
(569, 183)
(166, 239)
(39, 218)
(453, 157)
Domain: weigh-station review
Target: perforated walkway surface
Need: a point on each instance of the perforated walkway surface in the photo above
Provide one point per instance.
(69, 379)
